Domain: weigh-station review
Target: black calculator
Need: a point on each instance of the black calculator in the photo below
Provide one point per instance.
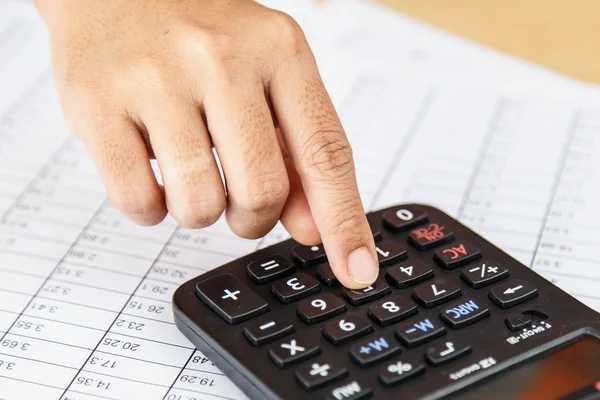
(451, 316)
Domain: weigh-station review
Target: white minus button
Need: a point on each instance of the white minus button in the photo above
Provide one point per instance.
(267, 325)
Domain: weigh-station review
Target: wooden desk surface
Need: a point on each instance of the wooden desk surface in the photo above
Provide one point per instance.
(560, 34)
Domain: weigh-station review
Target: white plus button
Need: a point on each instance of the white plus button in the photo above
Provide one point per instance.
(230, 295)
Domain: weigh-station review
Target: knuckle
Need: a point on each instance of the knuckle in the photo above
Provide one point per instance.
(140, 208)
(193, 212)
(328, 154)
(266, 195)
(215, 47)
(288, 32)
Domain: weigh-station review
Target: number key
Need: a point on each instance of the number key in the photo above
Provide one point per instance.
(409, 274)
(347, 328)
(404, 218)
(361, 296)
(295, 288)
(392, 309)
(320, 308)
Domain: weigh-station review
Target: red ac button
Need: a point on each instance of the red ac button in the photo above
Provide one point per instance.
(456, 254)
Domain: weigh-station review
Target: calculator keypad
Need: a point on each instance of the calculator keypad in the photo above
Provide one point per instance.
(347, 328)
(319, 373)
(391, 310)
(267, 330)
(374, 349)
(362, 296)
(409, 274)
(456, 254)
(295, 288)
(230, 298)
(484, 274)
(436, 292)
(429, 236)
(269, 269)
(399, 329)
(512, 293)
(320, 308)
(293, 351)
(444, 352)
(398, 371)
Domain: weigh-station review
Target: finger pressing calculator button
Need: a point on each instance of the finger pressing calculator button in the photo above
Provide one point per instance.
(389, 251)
(513, 292)
(373, 350)
(483, 274)
(432, 294)
(317, 374)
(362, 296)
(295, 288)
(456, 254)
(269, 269)
(391, 310)
(230, 298)
(417, 332)
(320, 308)
(399, 371)
(408, 274)
(326, 275)
(445, 352)
(292, 352)
(352, 390)
(463, 313)
(429, 236)
(267, 330)
(309, 255)
(403, 218)
(347, 328)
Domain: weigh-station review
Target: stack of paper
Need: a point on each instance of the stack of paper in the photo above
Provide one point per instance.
(85, 313)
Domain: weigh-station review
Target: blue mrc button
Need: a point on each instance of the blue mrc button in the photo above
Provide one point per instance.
(466, 312)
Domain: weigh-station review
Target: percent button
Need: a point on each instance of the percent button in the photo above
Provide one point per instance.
(399, 371)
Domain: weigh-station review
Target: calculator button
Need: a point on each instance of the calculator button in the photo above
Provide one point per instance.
(375, 226)
(403, 218)
(266, 331)
(295, 288)
(399, 371)
(373, 350)
(362, 296)
(350, 391)
(456, 254)
(429, 236)
(417, 332)
(463, 313)
(389, 251)
(391, 310)
(408, 274)
(347, 328)
(513, 292)
(230, 298)
(435, 293)
(317, 374)
(518, 321)
(309, 255)
(446, 352)
(269, 269)
(483, 274)
(325, 274)
(292, 352)
(320, 308)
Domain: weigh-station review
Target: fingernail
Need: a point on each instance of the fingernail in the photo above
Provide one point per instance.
(362, 267)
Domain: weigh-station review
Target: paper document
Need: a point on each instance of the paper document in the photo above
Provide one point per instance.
(85, 295)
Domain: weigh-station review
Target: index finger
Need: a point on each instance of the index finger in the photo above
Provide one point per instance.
(323, 158)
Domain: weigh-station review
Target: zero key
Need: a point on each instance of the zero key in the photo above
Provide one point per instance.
(403, 218)
(230, 298)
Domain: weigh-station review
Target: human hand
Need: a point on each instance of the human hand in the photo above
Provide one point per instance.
(170, 79)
